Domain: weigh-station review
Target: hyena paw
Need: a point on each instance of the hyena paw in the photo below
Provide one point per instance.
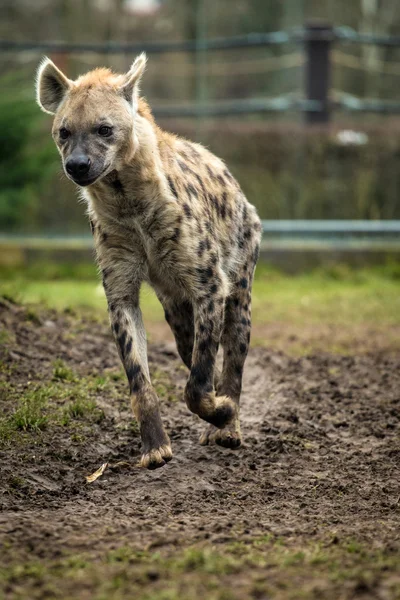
(156, 457)
(228, 437)
(217, 410)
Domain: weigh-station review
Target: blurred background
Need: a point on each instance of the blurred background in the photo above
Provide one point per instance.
(300, 97)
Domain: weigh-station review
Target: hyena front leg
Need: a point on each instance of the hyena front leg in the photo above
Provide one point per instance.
(235, 341)
(200, 394)
(130, 336)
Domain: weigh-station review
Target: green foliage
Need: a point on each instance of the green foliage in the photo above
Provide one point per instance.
(26, 157)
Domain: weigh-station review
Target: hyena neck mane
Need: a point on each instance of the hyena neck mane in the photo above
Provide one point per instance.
(140, 176)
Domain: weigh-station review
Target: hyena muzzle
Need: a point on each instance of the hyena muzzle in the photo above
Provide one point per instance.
(168, 212)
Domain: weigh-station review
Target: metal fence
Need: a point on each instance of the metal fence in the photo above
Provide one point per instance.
(317, 103)
(317, 41)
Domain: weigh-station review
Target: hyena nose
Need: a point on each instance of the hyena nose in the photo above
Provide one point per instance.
(78, 166)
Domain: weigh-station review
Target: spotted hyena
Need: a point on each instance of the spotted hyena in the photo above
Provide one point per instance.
(166, 211)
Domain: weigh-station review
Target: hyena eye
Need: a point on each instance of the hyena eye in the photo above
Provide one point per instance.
(64, 133)
(105, 130)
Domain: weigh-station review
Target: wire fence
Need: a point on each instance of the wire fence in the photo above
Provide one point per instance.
(317, 102)
(318, 52)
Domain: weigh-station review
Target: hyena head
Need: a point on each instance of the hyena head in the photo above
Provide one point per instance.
(93, 117)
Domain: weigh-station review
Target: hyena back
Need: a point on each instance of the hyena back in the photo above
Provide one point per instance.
(166, 211)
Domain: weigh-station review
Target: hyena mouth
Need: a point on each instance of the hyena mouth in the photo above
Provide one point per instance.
(85, 181)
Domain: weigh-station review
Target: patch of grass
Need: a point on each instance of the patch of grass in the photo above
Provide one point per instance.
(264, 565)
(81, 408)
(30, 414)
(62, 372)
(5, 336)
(65, 401)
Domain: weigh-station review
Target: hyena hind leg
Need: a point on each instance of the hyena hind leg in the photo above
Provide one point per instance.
(180, 318)
(235, 342)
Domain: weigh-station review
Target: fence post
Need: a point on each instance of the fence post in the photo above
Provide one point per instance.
(318, 41)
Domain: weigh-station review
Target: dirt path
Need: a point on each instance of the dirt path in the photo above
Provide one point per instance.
(319, 470)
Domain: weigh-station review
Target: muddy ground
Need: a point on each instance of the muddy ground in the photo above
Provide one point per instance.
(308, 507)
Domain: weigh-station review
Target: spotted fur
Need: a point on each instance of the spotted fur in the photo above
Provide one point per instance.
(164, 211)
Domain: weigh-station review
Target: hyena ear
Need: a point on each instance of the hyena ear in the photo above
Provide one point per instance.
(130, 85)
(51, 86)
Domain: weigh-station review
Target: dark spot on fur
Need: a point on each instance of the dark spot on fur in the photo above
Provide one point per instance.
(122, 342)
(210, 172)
(191, 190)
(199, 179)
(210, 307)
(172, 187)
(117, 185)
(243, 321)
(116, 328)
(205, 274)
(184, 166)
(176, 234)
(256, 253)
(203, 345)
(199, 374)
(133, 371)
(221, 180)
(242, 348)
(239, 370)
(243, 283)
(187, 210)
(213, 289)
(202, 247)
(92, 226)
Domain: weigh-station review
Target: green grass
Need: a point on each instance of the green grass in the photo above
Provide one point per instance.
(66, 401)
(258, 568)
(30, 413)
(62, 372)
(338, 294)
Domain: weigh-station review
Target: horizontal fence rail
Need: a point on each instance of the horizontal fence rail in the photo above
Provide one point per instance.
(251, 40)
(316, 39)
(346, 230)
(237, 107)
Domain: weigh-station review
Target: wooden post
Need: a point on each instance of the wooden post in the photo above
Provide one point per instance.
(318, 41)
